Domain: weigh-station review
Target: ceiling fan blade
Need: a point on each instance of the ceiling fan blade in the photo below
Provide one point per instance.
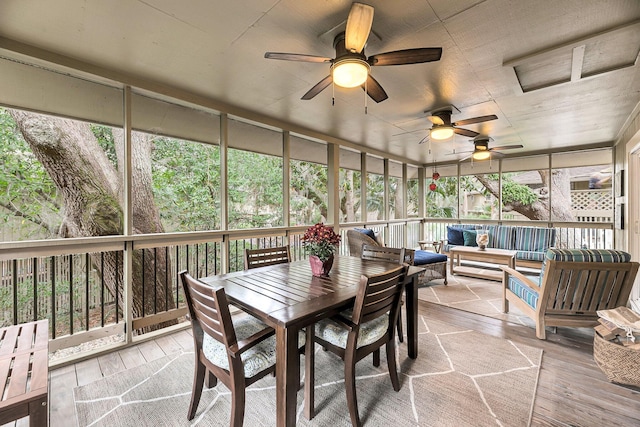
(465, 158)
(406, 56)
(465, 132)
(374, 90)
(296, 57)
(358, 27)
(435, 120)
(506, 147)
(319, 87)
(475, 120)
(455, 153)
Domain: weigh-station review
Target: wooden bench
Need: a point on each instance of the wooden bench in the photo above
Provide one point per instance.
(24, 373)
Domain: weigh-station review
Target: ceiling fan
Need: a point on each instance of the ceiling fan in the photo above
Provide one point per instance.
(483, 152)
(351, 67)
(443, 128)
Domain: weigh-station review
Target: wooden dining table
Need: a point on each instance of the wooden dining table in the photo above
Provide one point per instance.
(288, 298)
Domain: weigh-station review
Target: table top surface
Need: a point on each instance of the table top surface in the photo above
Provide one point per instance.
(487, 251)
(286, 294)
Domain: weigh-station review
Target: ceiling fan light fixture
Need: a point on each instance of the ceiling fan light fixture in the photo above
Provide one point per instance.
(350, 72)
(441, 132)
(481, 154)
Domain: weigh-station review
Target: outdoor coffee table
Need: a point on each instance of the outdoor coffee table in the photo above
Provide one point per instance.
(489, 255)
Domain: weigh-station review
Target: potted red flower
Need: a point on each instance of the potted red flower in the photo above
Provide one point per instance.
(321, 242)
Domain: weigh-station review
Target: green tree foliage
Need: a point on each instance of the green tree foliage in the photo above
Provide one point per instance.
(255, 190)
(186, 178)
(29, 202)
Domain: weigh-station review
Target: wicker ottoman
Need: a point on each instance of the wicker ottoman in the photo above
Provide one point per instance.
(435, 266)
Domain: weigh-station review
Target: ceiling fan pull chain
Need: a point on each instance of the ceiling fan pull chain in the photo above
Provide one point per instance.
(333, 93)
(365, 96)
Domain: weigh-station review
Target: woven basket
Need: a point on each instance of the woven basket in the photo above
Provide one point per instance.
(619, 363)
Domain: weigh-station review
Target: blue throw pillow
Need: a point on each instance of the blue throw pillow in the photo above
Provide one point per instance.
(469, 237)
(367, 231)
(455, 236)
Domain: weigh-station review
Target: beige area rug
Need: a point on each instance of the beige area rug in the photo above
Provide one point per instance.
(474, 295)
(460, 378)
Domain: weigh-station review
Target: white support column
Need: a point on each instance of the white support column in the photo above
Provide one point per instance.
(127, 257)
(224, 190)
(421, 199)
(363, 187)
(286, 178)
(500, 187)
(404, 203)
(386, 200)
(333, 181)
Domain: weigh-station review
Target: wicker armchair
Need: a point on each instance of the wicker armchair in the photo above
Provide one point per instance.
(356, 240)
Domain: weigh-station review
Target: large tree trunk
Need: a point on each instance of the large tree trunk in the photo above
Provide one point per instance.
(92, 190)
(560, 185)
(348, 205)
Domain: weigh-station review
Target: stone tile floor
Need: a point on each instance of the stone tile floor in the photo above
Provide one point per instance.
(474, 295)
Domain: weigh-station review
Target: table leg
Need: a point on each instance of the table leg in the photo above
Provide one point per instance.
(411, 291)
(287, 375)
(453, 258)
(309, 376)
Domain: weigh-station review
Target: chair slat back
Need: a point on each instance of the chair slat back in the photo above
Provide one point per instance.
(583, 288)
(254, 258)
(381, 253)
(379, 295)
(209, 310)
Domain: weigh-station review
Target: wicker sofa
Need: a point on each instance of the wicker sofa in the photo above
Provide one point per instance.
(435, 264)
(531, 243)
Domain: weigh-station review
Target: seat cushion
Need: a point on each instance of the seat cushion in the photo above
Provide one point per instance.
(335, 334)
(501, 237)
(584, 255)
(426, 257)
(257, 358)
(588, 255)
(530, 256)
(524, 292)
(534, 239)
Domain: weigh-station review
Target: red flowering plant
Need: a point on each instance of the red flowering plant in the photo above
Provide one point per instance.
(321, 241)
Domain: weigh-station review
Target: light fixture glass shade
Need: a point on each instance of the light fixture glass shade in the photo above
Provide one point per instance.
(481, 155)
(350, 72)
(441, 132)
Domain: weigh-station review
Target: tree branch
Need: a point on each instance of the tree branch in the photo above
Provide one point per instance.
(35, 220)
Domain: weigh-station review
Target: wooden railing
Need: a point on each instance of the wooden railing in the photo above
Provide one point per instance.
(65, 281)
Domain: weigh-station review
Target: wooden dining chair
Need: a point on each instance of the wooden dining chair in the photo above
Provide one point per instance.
(397, 255)
(353, 334)
(237, 350)
(254, 258)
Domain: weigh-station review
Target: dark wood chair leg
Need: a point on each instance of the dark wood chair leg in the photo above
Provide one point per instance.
(400, 334)
(350, 389)
(376, 358)
(237, 402)
(196, 390)
(391, 365)
(210, 380)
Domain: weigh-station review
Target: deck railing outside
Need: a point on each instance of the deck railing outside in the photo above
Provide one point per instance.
(68, 283)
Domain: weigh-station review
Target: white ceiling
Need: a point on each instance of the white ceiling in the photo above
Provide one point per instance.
(216, 49)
